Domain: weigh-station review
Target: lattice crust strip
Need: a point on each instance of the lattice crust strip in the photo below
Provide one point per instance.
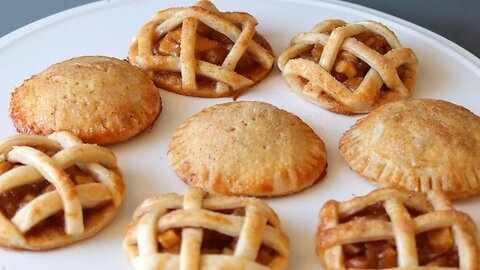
(336, 36)
(435, 212)
(194, 213)
(35, 159)
(237, 26)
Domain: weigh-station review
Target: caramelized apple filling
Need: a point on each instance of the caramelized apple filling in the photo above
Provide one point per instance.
(437, 248)
(213, 243)
(5, 166)
(370, 255)
(348, 68)
(210, 46)
(14, 199)
(375, 211)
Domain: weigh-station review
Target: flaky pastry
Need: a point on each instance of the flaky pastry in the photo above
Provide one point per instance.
(393, 229)
(204, 231)
(200, 51)
(55, 191)
(349, 68)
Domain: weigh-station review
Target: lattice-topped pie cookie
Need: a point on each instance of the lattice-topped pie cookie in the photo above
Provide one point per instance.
(418, 145)
(204, 231)
(55, 191)
(393, 229)
(349, 68)
(200, 51)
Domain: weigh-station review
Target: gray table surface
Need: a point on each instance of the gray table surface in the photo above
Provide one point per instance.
(455, 20)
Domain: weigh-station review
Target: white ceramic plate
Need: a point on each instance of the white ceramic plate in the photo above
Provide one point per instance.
(106, 28)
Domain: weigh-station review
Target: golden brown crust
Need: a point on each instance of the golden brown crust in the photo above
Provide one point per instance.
(247, 148)
(349, 68)
(417, 145)
(397, 218)
(101, 99)
(233, 31)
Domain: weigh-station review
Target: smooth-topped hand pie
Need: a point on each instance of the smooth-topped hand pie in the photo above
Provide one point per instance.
(101, 99)
(393, 229)
(200, 51)
(55, 191)
(349, 68)
(247, 148)
(418, 145)
(204, 231)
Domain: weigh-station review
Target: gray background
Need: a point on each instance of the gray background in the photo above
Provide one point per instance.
(456, 20)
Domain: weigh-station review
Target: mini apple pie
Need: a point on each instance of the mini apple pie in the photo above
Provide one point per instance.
(247, 148)
(349, 68)
(200, 51)
(393, 229)
(204, 231)
(418, 145)
(55, 191)
(101, 99)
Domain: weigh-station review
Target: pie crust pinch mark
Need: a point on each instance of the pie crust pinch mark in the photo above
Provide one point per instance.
(43, 177)
(324, 66)
(204, 231)
(182, 71)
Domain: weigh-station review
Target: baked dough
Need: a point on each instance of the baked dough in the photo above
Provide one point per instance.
(349, 68)
(394, 229)
(200, 51)
(247, 148)
(417, 145)
(101, 99)
(55, 191)
(202, 231)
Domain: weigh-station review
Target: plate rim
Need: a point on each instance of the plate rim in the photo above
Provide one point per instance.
(467, 57)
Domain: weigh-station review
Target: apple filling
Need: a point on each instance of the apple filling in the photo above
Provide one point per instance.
(213, 242)
(348, 68)
(211, 46)
(14, 199)
(435, 247)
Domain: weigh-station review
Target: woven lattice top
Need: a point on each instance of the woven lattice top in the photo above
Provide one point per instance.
(201, 231)
(41, 177)
(181, 46)
(419, 231)
(330, 59)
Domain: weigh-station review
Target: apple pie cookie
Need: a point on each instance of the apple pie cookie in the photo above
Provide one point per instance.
(200, 51)
(101, 99)
(349, 68)
(247, 148)
(203, 231)
(417, 145)
(55, 191)
(393, 229)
